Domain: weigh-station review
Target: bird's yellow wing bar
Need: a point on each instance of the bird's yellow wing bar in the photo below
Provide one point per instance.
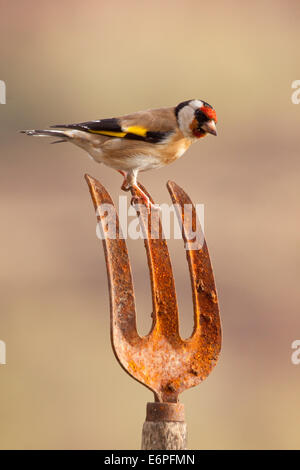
(134, 130)
(137, 130)
(108, 133)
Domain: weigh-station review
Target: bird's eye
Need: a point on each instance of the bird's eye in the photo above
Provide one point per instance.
(200, 116)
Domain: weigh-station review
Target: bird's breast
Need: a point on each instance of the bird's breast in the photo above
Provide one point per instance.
(126, 154)
(175, 150)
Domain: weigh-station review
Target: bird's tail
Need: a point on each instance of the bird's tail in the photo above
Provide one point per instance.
(49, 133)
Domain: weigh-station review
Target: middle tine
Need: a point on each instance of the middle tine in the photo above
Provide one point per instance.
(206, 310)
(165, 310)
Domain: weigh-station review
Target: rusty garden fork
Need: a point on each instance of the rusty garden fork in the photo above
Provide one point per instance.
(161, 360)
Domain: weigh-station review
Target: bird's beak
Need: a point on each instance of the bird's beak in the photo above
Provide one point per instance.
(210, 127)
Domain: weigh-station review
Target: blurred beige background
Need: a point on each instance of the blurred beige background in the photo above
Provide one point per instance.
(72, 61)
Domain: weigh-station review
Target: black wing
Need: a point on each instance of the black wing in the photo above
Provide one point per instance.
(112, 128)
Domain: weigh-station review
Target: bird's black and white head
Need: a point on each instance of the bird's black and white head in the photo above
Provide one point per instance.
(196, 118)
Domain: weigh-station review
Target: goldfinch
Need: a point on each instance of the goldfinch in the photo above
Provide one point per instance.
(140, 141)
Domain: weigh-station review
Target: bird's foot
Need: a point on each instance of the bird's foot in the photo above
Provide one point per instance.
(126, 184)
(141, 196)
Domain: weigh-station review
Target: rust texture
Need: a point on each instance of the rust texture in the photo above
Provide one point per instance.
(165, 412)
(161, 360)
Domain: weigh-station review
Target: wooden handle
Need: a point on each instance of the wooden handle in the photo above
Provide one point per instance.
(164, 428)
(164, 435)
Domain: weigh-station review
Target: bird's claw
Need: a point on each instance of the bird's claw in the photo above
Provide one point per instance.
(125, 186)
(137, 200)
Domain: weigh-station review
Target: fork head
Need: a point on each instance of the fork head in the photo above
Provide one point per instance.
(161, 360)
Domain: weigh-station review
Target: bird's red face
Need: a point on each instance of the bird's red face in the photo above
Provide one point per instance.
(204, 121)
(209, 112)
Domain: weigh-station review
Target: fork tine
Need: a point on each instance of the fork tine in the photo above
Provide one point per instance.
(122, 304)
(206, 309)
(165, 310)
